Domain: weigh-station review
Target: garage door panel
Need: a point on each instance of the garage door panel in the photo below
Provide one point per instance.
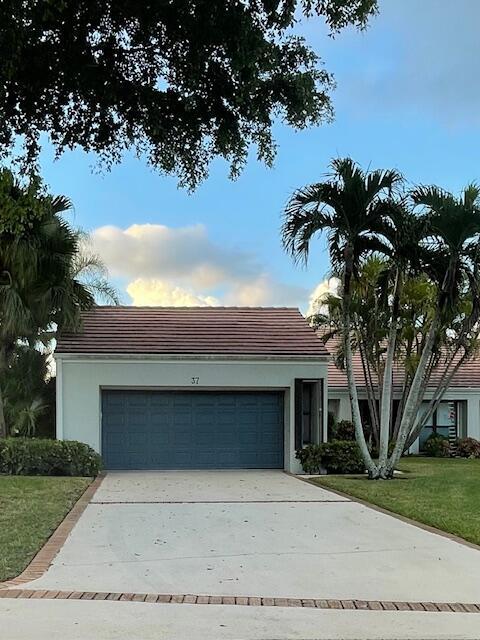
(161, 438)
(188, 430)
(137, 400)
(160, 422)
(160, 401)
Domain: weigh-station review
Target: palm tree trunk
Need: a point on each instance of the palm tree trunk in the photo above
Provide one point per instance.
(387, 385)
(401, 405)
(409, 412)
(386, 408)
(352, 388)
(367, 374)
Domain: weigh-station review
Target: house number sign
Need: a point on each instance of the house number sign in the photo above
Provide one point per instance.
(195, 379)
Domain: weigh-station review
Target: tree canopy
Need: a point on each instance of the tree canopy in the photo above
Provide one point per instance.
(180, 81)
(45, 279)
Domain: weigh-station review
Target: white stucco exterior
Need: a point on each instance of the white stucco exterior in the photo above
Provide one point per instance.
(468, 397)
(81, 378)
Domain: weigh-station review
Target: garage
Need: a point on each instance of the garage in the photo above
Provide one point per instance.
(192, 387)
(192, 430)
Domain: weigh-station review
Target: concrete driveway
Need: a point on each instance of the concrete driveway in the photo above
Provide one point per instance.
(256, 533)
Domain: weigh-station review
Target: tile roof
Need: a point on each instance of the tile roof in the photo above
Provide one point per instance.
(468, 376)
(193, 330)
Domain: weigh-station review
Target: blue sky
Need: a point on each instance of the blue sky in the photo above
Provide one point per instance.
(407, 97)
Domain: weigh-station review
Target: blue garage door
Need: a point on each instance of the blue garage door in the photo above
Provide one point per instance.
(192, 430)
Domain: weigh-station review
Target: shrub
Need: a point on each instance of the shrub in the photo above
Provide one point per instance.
(311, 458)
(342, 456)
(437, 446)
(338, 456)
(42, 457)
(345, 431)
(468, 448)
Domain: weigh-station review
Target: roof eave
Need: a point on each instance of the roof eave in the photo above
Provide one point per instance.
(62, 355)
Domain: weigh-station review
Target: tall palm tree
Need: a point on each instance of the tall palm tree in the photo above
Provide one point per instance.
(403, 232)
(428, 241)
(349, 208)
(369, 308)
(38, 287)
(451, 255)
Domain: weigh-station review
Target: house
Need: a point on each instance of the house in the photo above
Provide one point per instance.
(192, 388)
(458, 414)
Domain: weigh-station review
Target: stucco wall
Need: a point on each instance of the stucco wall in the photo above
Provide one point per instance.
(470, 396)
(80, 380)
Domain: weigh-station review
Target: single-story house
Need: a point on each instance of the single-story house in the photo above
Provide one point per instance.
(457, 416)
(192, 388)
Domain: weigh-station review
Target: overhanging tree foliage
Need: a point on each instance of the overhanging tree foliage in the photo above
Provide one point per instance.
(425, 242)
(180, 81)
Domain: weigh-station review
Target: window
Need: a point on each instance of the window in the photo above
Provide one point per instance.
(334, 408)
(443, 421)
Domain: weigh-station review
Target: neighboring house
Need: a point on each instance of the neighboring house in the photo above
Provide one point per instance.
(458, 415)
(192, 388)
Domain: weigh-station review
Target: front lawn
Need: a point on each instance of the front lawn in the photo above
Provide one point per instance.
(442, 493)
(30, 510)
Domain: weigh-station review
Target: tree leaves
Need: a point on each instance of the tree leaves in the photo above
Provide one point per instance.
(179, 82)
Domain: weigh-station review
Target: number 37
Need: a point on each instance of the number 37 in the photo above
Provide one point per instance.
(195, 380)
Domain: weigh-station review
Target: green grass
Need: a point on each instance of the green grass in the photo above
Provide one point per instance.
(30, 510)
(441, 493)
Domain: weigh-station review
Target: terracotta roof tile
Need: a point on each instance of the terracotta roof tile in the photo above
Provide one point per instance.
(193, 330)
(468, 376)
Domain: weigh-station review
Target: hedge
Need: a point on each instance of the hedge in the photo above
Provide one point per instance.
(43, 457)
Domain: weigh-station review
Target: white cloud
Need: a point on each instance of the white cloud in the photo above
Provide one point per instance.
(184, 267)
(185, 254)
(266, 291)
(151, 292)
(329, 286)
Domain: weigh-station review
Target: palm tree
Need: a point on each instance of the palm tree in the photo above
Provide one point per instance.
(369, 308)
(27, 390)
(39, 289)
(450, 258)
(349, 207)
(90, 270)
(403, 233)
(427, 290)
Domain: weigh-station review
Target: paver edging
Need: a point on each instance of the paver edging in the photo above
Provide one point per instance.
(44, 557)
(249, 601)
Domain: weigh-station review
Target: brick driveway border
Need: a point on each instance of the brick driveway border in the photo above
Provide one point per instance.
(255, 601)
(44, 558)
